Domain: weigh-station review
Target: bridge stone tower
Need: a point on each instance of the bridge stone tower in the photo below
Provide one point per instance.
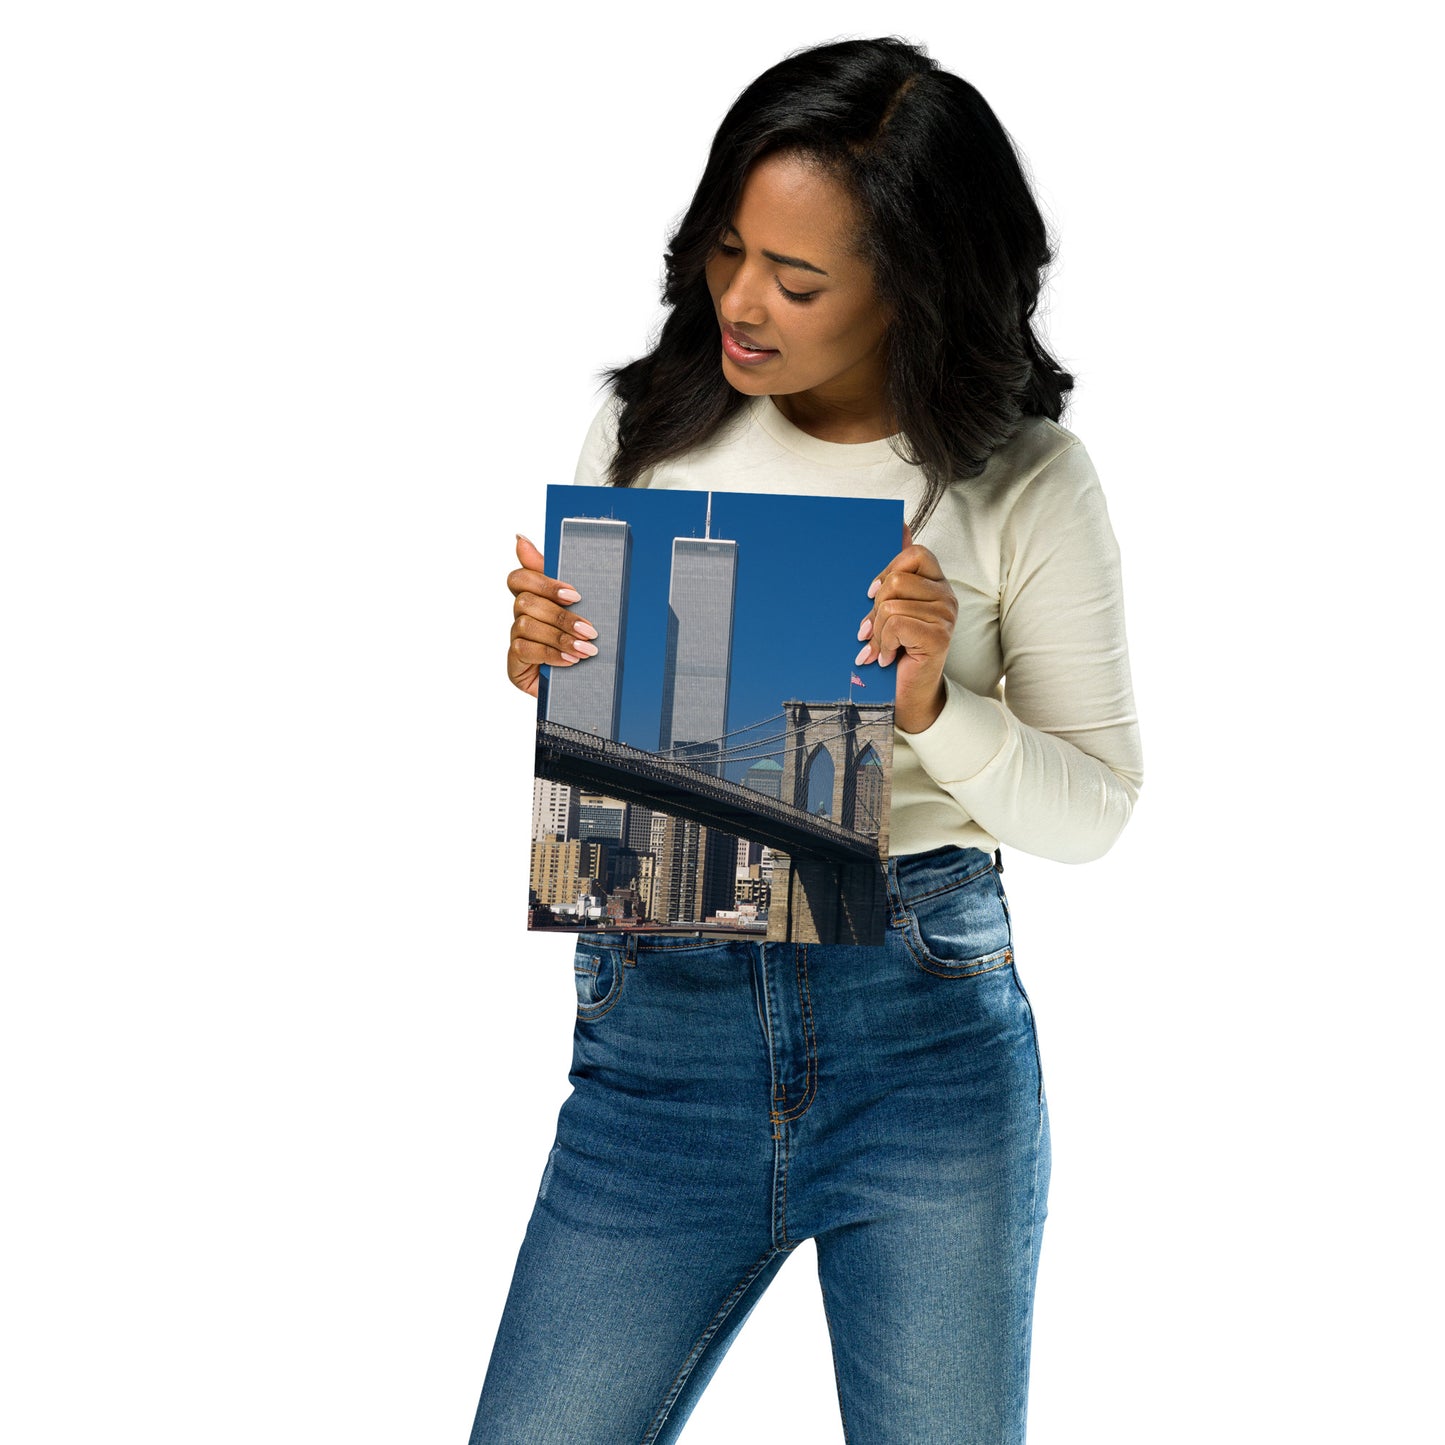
(845, 731)
(818, 902)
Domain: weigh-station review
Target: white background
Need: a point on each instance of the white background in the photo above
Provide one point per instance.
(303, 305)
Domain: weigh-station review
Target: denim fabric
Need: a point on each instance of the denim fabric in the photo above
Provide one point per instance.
(731, 1100)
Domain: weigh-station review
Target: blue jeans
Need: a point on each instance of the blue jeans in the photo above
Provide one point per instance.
(730, 1100)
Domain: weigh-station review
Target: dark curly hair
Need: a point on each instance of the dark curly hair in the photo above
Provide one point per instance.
(950, 228)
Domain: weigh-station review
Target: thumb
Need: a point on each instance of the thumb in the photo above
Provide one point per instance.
(529, 556)
(907, 535)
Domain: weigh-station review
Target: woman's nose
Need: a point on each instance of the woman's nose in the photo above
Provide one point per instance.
(741, 303)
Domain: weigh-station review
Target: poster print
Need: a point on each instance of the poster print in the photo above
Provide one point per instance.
(721, 766)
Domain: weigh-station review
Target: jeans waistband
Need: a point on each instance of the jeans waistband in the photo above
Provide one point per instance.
(912, 876)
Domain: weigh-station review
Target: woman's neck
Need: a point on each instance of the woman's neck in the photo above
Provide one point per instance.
(838, 420)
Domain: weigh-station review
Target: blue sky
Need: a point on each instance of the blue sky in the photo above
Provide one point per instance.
(804, 565)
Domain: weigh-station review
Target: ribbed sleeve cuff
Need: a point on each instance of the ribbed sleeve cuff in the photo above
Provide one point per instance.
(963, 739)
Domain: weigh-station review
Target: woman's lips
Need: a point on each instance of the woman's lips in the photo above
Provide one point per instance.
(742, 349)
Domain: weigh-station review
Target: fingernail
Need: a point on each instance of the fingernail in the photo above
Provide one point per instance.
(567, 657)
(568, 594)
(877, 583)
(863, 656)
(584, 629)
(527, 540)
(585, 648)
(866, 630)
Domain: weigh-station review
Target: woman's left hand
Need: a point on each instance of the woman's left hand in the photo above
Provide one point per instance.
(914, 610)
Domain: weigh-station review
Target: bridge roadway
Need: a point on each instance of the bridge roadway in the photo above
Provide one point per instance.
(632, 775)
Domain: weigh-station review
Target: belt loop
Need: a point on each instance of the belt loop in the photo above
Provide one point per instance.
(895, 894)
(629, 953)
(998, 859)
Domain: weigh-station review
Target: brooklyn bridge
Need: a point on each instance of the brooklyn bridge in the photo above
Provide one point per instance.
(832, 877)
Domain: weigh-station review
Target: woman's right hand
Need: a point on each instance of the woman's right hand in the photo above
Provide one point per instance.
(543, 631)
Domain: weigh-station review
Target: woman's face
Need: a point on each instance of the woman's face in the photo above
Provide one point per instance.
(796, 305)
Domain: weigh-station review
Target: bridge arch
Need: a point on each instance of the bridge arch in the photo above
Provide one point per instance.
(870, 790)
(858, 739)
(819, 774)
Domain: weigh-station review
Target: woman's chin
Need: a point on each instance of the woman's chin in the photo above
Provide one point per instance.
(747, 382)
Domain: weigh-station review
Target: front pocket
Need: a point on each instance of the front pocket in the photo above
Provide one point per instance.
(961, 930)
(598, 971)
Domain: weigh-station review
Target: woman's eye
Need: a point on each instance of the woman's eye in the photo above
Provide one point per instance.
(725, 248)
(796, 295)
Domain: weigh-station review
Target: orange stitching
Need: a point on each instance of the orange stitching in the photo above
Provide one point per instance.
(974, 973)
(767, 992)
(805, 998)
(940, 969)
(584, 1014)
(936, 968)
(783, 1211)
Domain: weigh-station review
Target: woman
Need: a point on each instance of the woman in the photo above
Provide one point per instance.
(850, 299)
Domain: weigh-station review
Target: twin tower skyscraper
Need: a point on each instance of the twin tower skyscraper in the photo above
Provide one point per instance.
(595, 556)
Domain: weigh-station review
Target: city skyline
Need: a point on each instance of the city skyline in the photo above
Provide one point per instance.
(803, 565)
(727, 628)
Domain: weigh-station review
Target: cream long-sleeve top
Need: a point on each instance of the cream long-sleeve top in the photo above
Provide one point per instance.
(1037, 746)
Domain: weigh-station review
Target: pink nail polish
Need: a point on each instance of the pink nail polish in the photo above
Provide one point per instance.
(568, 594)
(863, 656)
(877, 583)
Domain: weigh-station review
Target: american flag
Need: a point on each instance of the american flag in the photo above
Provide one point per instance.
(856, 680)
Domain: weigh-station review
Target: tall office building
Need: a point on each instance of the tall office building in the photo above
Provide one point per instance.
(602, 820)
(562, 868)
(595, 556)
(639, 829)
(698, 661)
(554, 809)
(674, 869)
(605, 820)
(717, 881)
(693, 871)
(765, 776)
(695, 865)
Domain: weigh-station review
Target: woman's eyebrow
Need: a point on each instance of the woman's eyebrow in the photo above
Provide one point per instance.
(794, 261)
